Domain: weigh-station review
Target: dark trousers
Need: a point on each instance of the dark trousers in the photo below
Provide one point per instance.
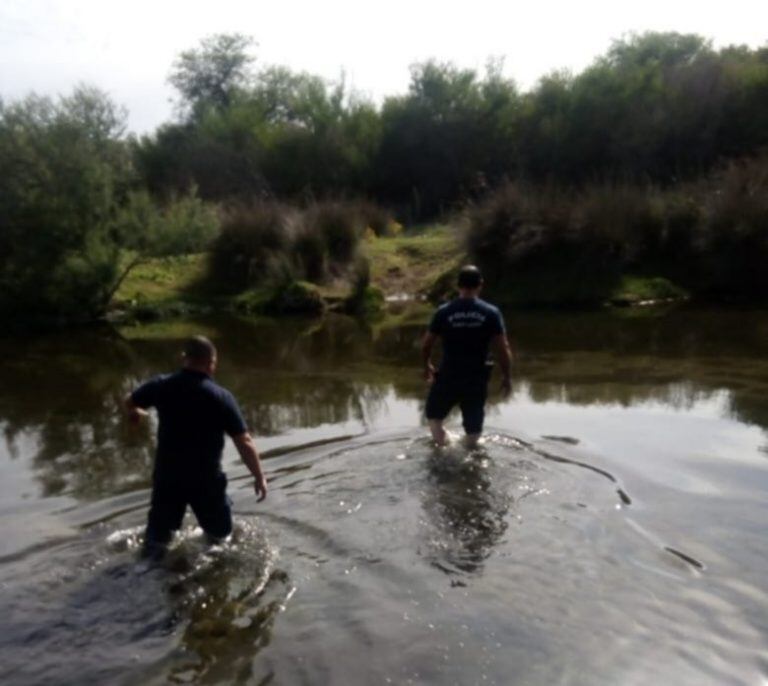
(170, 497)
(468, 392)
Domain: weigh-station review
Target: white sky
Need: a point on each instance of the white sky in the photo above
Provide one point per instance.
(127, 48)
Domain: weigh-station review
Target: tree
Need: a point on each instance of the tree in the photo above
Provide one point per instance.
(211, 76)
(443, 138)
(63, 169)
(71, 221)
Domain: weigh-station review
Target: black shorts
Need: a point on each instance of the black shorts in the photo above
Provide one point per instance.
(207, 498)
(469, 393)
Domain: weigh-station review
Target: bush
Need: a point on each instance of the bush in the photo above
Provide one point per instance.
(253, 245)
(535, 248)
(365, 299)
(542, 245)
(378, 220)
(268, 243)
(628, 220)
(734, 231)
(296, 297)
(63, 170)
(340, 225)
(184, 225)
(310, 253)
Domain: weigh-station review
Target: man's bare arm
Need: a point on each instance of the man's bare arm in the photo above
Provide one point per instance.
(427, 344)
(134, 412)
(250, 457)
(503, 354)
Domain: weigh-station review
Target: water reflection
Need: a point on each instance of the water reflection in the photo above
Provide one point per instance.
(466, 506)
(225, 601)
(60, 395)
(66, 392)
(202, 615)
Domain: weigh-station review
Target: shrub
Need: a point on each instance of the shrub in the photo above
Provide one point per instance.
(626, 220)
(184, 225)
(365, 299)
(734, 231)
(63, 169)
(534, 248)
(268, 243)
(541, 245)
(296, 297)
(310, 253)
(253, 245)
(340, 225)
(377, 219)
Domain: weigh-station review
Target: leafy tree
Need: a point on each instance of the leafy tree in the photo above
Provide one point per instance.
(318, 139)
(442, 138)
(211, 76)
(63, 168)
(659, 107)
(220, 154)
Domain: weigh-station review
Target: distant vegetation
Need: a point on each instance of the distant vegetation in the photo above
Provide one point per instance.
(651, 161)
(552, 245)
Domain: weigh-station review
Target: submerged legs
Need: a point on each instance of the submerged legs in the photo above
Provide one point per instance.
(439, 434)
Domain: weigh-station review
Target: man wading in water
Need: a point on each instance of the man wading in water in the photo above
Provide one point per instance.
(194, 414)
(468, 327)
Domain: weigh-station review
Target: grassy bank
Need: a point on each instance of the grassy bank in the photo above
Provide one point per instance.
(404, 265)
(416, 264)
(409, 264)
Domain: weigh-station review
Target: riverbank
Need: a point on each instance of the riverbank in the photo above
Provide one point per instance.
(403, 267)
(419, 264)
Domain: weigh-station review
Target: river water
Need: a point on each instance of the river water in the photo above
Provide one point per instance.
(611, 528)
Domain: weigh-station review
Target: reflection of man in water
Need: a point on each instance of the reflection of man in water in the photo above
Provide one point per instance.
(467, 504)
(468, 327)
(194, 414)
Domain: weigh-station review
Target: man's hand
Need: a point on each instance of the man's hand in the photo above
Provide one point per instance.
(135, 413)
(260, 487)
(250, 457)
(506, 387)
(429, 373)
(503, 354)
(427, 344)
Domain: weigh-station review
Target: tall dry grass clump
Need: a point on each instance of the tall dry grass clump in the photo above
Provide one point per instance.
(268, 242)
(253, 246)
(339, 226)
(541, 245)
(733, 230)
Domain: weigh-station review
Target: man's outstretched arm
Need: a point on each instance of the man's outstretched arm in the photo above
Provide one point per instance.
(427, 343)
(250, 456)
(134, 412)
(503, 354)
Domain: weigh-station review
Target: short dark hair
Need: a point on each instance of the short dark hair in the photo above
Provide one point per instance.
(470, 277)
(199, 349)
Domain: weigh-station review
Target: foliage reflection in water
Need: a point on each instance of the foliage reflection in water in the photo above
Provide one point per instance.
(610, 530)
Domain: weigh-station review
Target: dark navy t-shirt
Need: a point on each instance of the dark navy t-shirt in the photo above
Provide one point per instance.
(466, 327)
(194, 414)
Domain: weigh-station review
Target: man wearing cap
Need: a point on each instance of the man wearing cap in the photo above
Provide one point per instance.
(194, 415)
(469, 329)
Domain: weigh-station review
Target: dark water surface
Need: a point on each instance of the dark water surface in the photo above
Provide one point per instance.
(610, 530)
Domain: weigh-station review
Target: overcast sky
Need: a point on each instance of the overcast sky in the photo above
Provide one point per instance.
(127, 48)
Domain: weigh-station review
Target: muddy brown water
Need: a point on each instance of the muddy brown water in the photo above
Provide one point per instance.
(611, 529)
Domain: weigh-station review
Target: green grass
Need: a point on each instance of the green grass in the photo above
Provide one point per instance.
(411, 262)
(162, 330)
(407, 263)
(637, 289)
(163, 279)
